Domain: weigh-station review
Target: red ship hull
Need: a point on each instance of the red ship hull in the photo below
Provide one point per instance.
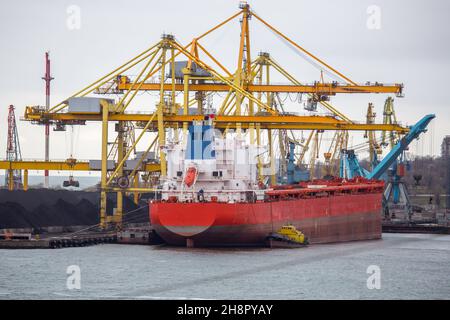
(328, 215)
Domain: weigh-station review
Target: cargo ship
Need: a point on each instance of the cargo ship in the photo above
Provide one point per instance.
(213, 196)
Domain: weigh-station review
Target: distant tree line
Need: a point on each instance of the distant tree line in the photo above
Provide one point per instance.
(429, 175)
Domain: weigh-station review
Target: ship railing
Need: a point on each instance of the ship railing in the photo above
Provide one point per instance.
(209, 191)
(370, 187)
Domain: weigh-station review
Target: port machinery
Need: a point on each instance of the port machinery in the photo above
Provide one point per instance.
(185, 77)
(13, 177)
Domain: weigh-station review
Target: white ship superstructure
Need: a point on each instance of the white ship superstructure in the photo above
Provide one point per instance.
(211, 168)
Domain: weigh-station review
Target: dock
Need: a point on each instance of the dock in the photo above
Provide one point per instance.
(143, 234)
(59, 241)
(416, 228)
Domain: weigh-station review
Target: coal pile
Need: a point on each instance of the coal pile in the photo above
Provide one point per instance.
(38, 208)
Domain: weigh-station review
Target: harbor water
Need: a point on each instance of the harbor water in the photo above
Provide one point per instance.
(406, 266)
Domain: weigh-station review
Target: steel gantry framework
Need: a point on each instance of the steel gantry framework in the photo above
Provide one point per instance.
(13, 177)
(185, 77)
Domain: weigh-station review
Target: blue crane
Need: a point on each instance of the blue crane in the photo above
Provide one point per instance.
(401, 146)
(395, 188)
(295, 173)
(350, 167)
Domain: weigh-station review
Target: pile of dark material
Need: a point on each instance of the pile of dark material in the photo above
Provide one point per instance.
(38, 208)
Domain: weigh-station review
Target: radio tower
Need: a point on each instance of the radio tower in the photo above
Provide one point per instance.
(47, 77)
(13, 178)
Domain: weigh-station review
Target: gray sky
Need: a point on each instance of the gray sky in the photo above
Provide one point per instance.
(411, 47)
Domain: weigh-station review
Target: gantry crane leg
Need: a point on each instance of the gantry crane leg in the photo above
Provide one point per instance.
(11, 180)
(258, 143)
(117, 219)
(136, 185)
(186, 73)
(273, 178)
(105, 111)
(160, 113)
(25, 180)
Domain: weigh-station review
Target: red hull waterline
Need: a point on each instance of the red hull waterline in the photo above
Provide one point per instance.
(331, 215)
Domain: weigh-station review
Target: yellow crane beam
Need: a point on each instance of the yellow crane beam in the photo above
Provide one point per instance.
(317, 88)
(229, 121)
(59, 166)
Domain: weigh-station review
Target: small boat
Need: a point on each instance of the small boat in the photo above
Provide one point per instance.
(287, 237)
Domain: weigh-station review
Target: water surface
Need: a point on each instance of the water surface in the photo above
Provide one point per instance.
(412, 266)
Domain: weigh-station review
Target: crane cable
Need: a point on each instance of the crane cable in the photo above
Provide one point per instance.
(123, 220)
(307, 58)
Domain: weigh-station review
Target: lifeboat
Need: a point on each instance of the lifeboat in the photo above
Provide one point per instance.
(190, 176)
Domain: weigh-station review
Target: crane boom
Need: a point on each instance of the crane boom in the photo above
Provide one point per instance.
(389, 159)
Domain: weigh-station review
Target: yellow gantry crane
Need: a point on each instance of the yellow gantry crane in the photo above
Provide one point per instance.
(185, 77)
(374, 145)
(389, 137)
(338, 143)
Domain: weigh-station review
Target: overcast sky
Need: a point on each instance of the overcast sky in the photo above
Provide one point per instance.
(411, 46)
